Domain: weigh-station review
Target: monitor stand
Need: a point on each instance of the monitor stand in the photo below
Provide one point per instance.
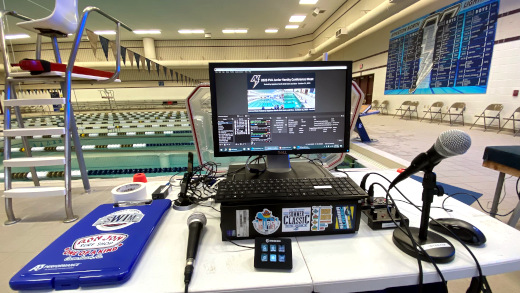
(278, 167)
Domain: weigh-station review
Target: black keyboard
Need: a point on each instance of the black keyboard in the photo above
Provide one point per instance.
(301, 189)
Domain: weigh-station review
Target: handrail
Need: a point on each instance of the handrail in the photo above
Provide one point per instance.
(79, 33)
(3, 46)
(92, 8)
(68, 79)
(17, 15)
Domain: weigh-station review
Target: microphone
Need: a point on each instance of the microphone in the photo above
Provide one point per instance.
(450, 143)
(196, 222)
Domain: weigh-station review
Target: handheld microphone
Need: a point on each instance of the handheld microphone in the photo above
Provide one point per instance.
(196, 222)
(450, 143)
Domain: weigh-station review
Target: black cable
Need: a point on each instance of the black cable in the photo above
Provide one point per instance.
(398, 213)
(170, 180)
(212, 207)
(338, 170)
(433, 207)
(518, 188)
(254, 170)
(479, 269)
(231, 173)
(478, 202)
(414, 243)
(240, 245)
(313, 160)
(482, 280)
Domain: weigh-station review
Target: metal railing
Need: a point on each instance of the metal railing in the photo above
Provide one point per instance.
(70, 124)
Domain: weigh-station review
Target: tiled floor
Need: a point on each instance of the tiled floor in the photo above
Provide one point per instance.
(41, 218)
(406, 139)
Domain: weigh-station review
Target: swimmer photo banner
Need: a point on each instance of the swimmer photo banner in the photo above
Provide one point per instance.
(446, 52)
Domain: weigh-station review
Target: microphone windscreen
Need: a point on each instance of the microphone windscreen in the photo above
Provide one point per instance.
(452, 143)
(197, 217)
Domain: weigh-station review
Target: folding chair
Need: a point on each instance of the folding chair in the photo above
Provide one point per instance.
(435, 108)
(405, 106)
(515, 117)
(383, 107)
(412, 108)
(492, 111)
(457, 110)
(375, 104)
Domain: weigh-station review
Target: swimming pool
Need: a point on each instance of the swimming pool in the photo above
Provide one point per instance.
(121, 144)
(290, 101)
(117, 145)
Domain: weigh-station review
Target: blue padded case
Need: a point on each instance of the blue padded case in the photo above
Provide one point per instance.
(101, 249)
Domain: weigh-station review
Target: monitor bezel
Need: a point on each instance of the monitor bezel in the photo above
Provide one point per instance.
(214, 105)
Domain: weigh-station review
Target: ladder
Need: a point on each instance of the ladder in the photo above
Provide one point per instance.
(69, 132)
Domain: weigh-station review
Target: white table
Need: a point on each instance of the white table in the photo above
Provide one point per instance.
(219, 266)
(367, 260)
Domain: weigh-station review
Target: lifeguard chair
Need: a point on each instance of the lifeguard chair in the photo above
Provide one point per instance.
(109, 95)
(63, 21)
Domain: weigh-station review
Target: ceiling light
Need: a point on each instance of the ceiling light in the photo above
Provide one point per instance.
(297, 18)
(292, 26)
(18, 36)
(186, 31)
(303, 2)
(234, 31)
(271, 30)
(147, 32)
(105, 32)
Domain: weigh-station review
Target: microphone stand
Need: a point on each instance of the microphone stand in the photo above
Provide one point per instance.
(183, 201)
(438, 248)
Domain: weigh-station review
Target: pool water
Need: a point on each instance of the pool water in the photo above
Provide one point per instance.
(290, 101)
(141, 146)
(135, 146)
(265, 103)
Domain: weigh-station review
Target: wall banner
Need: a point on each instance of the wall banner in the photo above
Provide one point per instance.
(446, 52)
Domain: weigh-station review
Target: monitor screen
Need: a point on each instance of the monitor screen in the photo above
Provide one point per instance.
(274, 108)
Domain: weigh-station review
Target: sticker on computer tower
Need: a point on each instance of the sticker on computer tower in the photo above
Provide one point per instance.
(344, 217)
(242, 223)
(296, 219)
(266, 223)
(321, 217)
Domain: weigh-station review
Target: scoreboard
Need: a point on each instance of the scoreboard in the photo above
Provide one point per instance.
(446, 52)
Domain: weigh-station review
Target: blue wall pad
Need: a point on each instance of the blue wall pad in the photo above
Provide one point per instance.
(450, 189)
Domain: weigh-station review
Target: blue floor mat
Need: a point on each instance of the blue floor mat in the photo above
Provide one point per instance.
(450, 189)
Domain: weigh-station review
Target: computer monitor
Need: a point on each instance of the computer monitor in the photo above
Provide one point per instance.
(280, 108)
